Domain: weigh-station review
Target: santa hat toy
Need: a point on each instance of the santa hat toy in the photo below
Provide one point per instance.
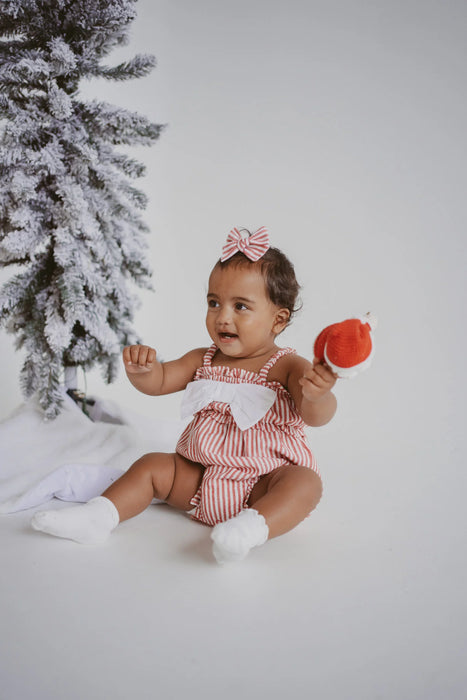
(347, 347)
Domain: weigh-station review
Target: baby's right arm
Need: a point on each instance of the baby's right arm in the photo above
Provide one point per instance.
(152, 377)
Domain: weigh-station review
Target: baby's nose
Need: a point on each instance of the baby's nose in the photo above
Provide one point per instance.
(224, 315)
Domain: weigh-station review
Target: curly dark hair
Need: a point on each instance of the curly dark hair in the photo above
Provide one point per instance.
(279, 276)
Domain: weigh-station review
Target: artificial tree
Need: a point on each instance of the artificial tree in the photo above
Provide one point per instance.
(71, 226)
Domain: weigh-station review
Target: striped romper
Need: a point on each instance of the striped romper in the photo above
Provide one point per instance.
(234, 460)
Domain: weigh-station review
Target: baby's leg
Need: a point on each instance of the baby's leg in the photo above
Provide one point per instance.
(167, 477)
(278, 502)
(286, 496)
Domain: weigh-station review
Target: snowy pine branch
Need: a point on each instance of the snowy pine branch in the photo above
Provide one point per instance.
(118, 126)
(137, 67)
(70, 219)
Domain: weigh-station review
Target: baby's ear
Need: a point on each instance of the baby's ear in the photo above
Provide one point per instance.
(281, 320)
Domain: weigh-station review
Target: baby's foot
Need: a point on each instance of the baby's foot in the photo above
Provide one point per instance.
(89, 523)
(234, 538)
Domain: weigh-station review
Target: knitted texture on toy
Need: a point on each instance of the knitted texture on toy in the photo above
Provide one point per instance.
(347, 347)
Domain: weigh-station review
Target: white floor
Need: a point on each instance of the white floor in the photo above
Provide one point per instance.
(364, 600)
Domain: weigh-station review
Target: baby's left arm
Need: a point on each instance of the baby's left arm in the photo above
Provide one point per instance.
(310, 386)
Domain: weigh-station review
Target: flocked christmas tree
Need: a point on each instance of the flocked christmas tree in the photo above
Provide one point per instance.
(70, 217)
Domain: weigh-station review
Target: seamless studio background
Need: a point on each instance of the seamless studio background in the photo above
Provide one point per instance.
(341, 127)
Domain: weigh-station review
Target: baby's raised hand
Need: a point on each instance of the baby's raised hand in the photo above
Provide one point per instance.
(317, 382)
(138, 358)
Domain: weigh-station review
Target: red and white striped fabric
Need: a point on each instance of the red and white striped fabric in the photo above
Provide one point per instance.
(235, 459)
(253, 246)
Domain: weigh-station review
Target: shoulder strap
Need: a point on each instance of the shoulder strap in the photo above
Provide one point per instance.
(209, 355)
(263, 373)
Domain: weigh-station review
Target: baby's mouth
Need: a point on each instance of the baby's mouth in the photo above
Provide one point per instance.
(228, 336)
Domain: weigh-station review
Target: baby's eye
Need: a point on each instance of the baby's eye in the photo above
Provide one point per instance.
(212, 303)
(240, 307)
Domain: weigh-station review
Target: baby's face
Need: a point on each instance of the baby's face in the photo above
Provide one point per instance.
(241, 319)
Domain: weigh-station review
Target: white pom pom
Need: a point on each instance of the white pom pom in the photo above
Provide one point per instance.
(371, 319)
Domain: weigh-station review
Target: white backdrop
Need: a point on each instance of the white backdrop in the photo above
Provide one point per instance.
(340, 125)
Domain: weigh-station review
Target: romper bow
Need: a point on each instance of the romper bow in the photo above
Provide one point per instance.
(248, 402)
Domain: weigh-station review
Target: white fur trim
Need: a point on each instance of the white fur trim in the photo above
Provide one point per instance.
(349, 372)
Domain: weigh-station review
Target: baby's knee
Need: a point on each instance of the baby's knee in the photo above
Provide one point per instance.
(305, 482)
(314, 487)
(159, 467)
(312, 484)
(147, 462)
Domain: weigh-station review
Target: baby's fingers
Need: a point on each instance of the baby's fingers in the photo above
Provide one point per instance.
(142, 356)
(317, 382)
(324, 372)
(131, 354)
(139, 356)
(314, 379)
(311, 382)
(310, 391)
(126, 355)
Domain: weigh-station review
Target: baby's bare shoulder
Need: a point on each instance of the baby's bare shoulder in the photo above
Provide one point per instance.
(192, 360)
(288, 366)
(177, 373)
(196, 356)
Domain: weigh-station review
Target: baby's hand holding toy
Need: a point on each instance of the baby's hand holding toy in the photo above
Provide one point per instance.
(317, 382)
(347, 348)
(138, 358)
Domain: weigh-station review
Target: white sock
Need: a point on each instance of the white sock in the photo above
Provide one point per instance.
(89, 523)
(234, 538)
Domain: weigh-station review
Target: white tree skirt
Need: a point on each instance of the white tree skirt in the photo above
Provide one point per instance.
(72, 457)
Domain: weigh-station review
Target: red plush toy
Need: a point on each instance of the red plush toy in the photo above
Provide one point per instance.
(347, 347)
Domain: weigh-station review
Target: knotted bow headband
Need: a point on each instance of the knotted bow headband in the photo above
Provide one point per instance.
(254, 246)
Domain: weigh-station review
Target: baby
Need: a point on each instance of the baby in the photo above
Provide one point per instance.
(243, 463)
